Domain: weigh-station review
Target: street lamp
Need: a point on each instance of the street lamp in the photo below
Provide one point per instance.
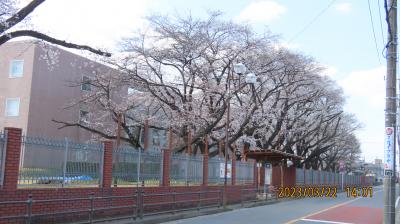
(239, 69)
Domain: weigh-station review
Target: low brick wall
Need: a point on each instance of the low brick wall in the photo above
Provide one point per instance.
(14, 200)
(80, 200)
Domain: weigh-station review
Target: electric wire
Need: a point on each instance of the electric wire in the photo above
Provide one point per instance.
(380, 22)
(373, 32)
(312, 21)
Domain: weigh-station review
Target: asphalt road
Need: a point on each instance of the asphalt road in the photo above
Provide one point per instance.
(341, 210)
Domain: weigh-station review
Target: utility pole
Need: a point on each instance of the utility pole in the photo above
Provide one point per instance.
(390, 115)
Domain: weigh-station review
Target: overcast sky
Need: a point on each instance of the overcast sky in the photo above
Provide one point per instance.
(340, 38)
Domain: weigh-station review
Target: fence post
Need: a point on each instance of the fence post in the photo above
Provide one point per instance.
(173, 202)
(205, 162)
(199, 201)
(135, 211)
(12, 159)
(91, 198)
(233, 175)
(241, 197)
(65, 161)
(141, 204)
(187, 156)
(107, 164)
(138, 167)
(29, 209)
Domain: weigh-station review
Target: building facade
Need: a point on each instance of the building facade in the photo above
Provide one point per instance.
(37, 84)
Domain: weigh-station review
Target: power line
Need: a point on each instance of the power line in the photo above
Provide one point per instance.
(380, 21)
(312, 21)
(373, 31)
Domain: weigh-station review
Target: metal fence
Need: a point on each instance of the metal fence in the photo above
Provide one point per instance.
(3, 146)
(186, 169)
(127, 170)
(318, 177)
(244, 172)
(300, 176)
(216, 170)
(59, 163)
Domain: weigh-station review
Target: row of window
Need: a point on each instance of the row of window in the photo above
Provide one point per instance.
(12, 110)
(17, 71)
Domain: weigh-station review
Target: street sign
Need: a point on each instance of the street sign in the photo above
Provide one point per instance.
(389, 151)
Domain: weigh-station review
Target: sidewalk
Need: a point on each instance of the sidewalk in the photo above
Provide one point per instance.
(184, 214)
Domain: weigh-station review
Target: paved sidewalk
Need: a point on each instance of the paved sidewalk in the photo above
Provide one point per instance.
(187, 214)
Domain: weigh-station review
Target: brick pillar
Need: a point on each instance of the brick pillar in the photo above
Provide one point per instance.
(107, 164)
(205, 163)
(233, 179)
(12, 160)
(166, 160)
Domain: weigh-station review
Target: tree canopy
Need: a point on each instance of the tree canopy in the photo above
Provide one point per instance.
(180, 69)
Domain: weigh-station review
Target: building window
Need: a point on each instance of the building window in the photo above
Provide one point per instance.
(86, 84)
(83, 117)
(12, 107)
(16, 68)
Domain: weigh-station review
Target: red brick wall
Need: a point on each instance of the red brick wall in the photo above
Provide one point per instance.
(233, 196)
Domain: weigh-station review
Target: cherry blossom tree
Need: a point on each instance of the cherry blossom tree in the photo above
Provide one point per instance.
(179, 68)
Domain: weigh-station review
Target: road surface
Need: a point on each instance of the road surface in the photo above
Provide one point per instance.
(342, 210)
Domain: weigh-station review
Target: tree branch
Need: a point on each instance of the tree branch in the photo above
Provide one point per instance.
(30, 33)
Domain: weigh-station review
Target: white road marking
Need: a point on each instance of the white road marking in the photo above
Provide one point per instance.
(323, 221)
(397, 202)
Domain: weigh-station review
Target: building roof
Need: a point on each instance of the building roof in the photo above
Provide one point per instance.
(269, 155)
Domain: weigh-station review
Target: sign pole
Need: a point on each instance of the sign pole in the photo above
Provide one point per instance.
(390, 115)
